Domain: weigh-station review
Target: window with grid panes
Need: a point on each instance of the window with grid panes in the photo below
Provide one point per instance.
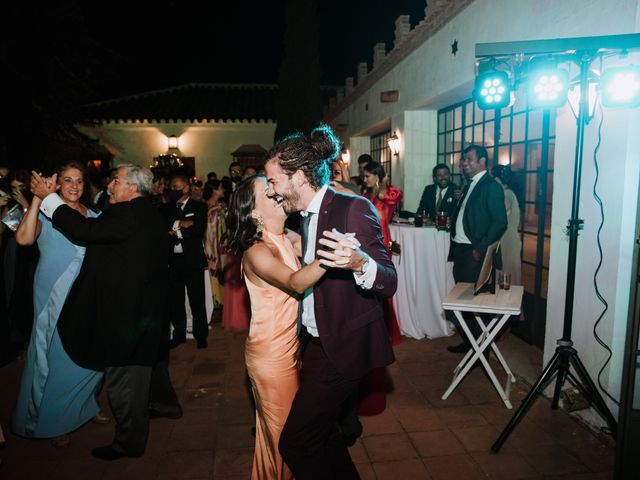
(519, 141)
(381, 153)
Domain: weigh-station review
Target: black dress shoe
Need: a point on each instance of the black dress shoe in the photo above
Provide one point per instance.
(176, 341)
(202, 344)
(109, 453)
(464, 347)
(170, 415)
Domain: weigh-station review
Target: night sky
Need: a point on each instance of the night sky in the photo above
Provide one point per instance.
(135, 46)
(58, 56)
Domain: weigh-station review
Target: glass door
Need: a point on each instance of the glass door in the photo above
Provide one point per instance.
(523, 139)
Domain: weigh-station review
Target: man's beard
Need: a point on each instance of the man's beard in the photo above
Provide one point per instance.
(290, 200)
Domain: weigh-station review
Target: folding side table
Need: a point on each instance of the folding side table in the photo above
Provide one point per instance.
(501, 306)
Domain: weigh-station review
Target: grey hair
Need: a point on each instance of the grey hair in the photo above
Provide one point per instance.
(139, 176)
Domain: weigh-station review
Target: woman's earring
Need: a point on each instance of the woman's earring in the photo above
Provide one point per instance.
(259, 224)
(377, 183)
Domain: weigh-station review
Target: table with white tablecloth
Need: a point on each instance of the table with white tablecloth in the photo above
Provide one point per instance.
(424, 280)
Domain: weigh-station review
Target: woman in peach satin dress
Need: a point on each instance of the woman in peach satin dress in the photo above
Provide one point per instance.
(273, 276)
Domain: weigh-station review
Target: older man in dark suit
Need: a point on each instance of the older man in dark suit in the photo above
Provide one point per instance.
(113, 317)
(441, 195)
(186, 222)
(480, 218)
(341, 321)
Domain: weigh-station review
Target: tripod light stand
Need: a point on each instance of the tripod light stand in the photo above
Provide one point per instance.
(582, 51)
(565, 355)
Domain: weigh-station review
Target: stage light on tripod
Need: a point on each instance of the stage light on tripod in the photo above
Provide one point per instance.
(620, 87)
(548, 88)
(492, 90)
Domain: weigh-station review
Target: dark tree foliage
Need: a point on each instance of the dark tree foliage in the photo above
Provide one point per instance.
(51, 64)
(299, 103)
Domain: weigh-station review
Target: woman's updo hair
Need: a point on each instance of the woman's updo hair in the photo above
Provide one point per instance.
(313, 154)
(376, 169)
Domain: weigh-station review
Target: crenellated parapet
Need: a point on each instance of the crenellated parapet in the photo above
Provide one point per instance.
(437, 14)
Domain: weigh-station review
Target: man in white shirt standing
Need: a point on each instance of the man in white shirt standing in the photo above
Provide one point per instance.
(480, 218)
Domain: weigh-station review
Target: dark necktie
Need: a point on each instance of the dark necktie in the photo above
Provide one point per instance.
(304, 233)
(439, 202)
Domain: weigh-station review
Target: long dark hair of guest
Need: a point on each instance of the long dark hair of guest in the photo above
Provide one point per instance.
(377, 169)
(242, 230)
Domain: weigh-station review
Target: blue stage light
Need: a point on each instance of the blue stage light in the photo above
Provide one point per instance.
(492, 90)
(620, 87)
(547, 88)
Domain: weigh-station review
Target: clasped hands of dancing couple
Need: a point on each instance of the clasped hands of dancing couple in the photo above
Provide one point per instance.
(342, 250)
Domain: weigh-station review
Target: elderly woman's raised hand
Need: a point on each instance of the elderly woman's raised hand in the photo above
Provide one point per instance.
(43, 186)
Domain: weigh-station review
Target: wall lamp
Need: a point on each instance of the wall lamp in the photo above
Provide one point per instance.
(394, 144)
(172, 142)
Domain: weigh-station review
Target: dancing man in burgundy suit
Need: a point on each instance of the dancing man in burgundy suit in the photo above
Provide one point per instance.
(341, 319)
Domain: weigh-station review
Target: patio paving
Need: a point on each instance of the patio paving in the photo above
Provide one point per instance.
(419, 436)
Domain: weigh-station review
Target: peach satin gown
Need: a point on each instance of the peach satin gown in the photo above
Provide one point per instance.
(271, 355)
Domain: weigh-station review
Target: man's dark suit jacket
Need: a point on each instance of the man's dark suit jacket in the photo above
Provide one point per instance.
(428, 201)
(114, 313)
(485, 216)
(351, 320)
(192, 237)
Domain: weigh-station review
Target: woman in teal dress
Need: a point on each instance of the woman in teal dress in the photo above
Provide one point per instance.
(56, 395)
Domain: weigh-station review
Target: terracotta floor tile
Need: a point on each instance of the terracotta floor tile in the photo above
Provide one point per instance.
(382, 448)
(459, 417)
(385, 422)
(598, 458)
(366, 471)
(234, 436)
(480, 439)
(230, 462)
(200, 416)
(456, 467)
(186, 437)
(201, 398)
(144, 468)
(583, 476)
(526, 436)
(419, 418)
(213, 438)
(397, 400)
(495, 414)
(358, 453)
(554, 460)
(187, 465)
(436, 443)
(22, 469)
(504, 466)
(403, 469)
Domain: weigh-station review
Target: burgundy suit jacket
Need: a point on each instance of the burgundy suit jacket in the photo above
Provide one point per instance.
(351, 320)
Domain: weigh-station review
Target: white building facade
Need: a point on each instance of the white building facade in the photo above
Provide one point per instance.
(421, 90)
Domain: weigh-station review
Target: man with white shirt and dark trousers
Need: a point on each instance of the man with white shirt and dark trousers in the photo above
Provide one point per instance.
(186, 222)
(439, 196)
(479, 219)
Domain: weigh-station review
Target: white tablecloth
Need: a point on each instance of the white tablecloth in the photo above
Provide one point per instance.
(424, 280)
